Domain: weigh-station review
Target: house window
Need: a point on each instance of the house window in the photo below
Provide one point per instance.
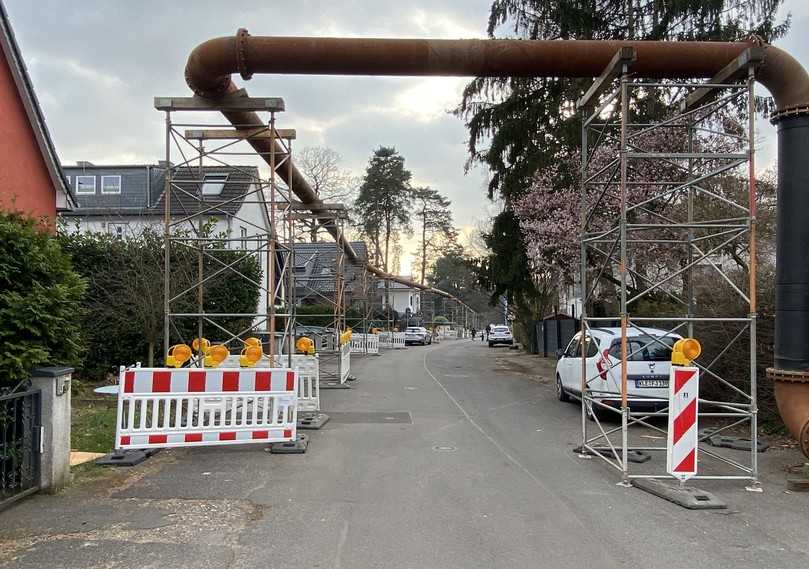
(110, 184)
(244, 237)
(85, 185)
(213, 184)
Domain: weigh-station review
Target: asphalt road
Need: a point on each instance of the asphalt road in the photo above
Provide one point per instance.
(442, 457)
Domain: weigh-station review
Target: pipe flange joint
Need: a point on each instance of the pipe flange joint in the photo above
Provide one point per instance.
(788, 376)
(789, 112)
(241, 53)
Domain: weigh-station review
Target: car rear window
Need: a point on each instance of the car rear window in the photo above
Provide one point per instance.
(413, 330)
(645, 349)
(501, 328)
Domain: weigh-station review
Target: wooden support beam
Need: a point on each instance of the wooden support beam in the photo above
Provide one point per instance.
(624, 56)
(231, 134)
(733, 72)
(232, 103)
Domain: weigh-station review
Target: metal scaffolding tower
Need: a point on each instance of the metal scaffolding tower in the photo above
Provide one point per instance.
(670, 197)
(226, 216)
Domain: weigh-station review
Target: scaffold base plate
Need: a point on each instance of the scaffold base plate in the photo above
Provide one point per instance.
(687, 497)
(334, 385)
(313, 422)
(128, 457)
(298, 446)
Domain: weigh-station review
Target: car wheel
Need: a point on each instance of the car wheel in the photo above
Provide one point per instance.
(561, 394)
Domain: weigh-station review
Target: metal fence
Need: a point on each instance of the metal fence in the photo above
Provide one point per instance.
(20, 442)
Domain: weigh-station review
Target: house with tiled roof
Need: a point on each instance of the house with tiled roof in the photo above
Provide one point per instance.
(123, 199)
(316, 273)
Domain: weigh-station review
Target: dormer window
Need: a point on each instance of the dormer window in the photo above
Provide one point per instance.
(85, 185)
(213, 184)
(110, 184)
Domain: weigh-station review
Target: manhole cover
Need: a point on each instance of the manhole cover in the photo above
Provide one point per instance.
(370, 417)
(444, 448)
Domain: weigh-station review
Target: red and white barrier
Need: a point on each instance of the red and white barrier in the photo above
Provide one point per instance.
(683, 437)
(165, 407)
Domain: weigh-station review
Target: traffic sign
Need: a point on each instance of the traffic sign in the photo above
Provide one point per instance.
(682, 447)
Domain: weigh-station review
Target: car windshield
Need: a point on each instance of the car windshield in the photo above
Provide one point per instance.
(645, 349)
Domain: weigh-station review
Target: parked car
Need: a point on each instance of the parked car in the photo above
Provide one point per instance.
(500, 334)
(418, 335)
(648, 366)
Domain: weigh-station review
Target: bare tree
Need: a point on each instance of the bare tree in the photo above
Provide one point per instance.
(333, 184)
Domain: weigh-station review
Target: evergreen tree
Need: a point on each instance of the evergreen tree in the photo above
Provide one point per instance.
(435, 221)
(383, 205)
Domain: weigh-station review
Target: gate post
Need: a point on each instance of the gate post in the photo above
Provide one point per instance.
(54, 418)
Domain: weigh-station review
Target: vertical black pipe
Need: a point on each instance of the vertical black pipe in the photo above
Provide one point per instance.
(792, 246)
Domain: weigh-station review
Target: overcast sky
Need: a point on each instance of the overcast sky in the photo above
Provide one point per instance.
(97, 65)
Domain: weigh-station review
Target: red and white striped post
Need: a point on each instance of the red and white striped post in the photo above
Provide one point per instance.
(683, 438)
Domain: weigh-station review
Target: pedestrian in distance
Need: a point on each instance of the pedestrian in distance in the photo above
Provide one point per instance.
(474, 334)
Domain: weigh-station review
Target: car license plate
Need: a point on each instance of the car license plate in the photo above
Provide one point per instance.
(652, 383)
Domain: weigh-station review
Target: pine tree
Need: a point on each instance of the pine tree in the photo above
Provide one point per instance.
(383, 205)
(435, 222)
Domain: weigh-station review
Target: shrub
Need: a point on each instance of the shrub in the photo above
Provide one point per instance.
(40, 301)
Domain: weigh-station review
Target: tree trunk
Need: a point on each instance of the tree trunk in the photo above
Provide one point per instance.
(423, 247)
(150, 354)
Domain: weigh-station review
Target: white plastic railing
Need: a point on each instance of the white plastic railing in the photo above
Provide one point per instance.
(364, 343)
(345, 362)
(398, 340)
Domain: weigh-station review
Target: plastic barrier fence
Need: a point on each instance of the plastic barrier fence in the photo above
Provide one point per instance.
(365, 343)
(345, 362)
(398, 340)
(166, 407)
(308, 368)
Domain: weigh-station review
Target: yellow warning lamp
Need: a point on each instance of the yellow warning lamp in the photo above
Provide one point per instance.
(345, 337)
(216, 355)
(178, 355)
(250, 355)
(206, 345)
(305, 345)
(685, 350)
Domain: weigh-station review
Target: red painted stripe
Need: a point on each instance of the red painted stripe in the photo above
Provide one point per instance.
(688, 464)
(196, 381)
(290, 380)
(287, 433)
(227, 436)
(161, 382)
(685, 420)
(158, 439)
(193, 438)
(681, 377)
(129, 382)
(230, 381)
(261, 434)
(125, 440)
(263, 380)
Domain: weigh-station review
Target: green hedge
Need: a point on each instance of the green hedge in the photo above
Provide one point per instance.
(40, 301)
(124, 305)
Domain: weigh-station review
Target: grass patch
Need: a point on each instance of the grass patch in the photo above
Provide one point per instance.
(93, 427)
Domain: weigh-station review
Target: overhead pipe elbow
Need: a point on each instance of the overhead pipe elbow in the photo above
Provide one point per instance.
(211, 64)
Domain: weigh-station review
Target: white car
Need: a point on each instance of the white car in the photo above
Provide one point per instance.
(500, 335)
(648, 366)
(418, 335)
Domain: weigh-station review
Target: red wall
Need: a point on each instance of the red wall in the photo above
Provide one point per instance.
(25, 184)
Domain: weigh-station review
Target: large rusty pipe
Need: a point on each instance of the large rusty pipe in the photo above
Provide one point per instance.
(211, 64)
